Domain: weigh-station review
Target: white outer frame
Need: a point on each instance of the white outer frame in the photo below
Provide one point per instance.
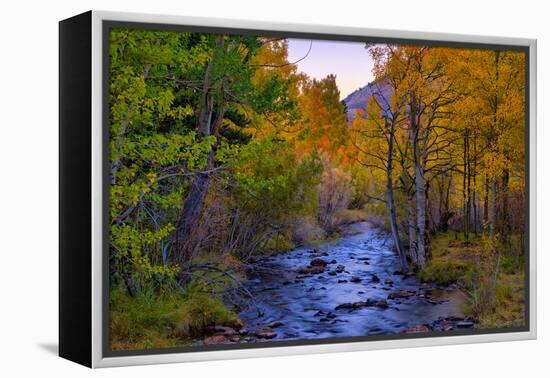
(97, 199)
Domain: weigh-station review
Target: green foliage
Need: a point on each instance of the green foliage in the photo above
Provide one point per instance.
(155, 96)
(152, 147)
(280, 242)
(269, 179)
(270, 187)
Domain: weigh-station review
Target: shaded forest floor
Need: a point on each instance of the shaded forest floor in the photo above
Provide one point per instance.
(456, 260)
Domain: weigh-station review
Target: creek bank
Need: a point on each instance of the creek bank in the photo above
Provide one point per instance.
(350, 287)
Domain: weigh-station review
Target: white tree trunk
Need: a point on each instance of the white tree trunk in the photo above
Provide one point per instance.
(391, 204)
(411, 223)
(420, 214)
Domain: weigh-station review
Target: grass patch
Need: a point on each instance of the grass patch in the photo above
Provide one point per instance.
(201, 310)
(509, 303)
(443, 272)
(511, 264)
(455, 258)
(150, 321)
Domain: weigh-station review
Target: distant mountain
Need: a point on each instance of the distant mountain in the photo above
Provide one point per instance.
(358, 99)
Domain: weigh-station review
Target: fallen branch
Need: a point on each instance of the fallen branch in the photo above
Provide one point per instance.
(212, 268)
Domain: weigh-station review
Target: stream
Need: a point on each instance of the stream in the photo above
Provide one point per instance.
(349, 287)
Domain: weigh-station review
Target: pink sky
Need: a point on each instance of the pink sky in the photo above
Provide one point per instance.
(349, 61)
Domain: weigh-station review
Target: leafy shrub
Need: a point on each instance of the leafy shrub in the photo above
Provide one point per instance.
(305, 231)
(347, 216)
(279, 242)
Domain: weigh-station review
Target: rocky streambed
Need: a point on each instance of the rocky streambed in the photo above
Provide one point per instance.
(351, 287)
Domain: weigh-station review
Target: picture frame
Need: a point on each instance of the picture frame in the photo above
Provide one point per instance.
(84, 189)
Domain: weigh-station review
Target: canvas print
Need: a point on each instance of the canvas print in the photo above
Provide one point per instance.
(272, 190)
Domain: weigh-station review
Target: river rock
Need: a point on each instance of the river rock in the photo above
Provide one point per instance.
(331, 273)
(454, 318)
(388, 281)
(219, 339)
(401, 294)
(352, 306)
(340, 269)
(418, 328)
(311, 270)
(342, 281)
(318, 262)
(464, 324)
(243, 331)
(332, 261)
(355, 279)
(226, 331)
(382, 304)
(435, 301)
(266, 333)
(375, 278)
(275, 324)
(345, 306)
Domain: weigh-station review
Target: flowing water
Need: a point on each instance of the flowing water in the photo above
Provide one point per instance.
(304, 306)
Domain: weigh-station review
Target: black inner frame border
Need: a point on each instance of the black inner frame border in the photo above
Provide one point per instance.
(107, 25)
